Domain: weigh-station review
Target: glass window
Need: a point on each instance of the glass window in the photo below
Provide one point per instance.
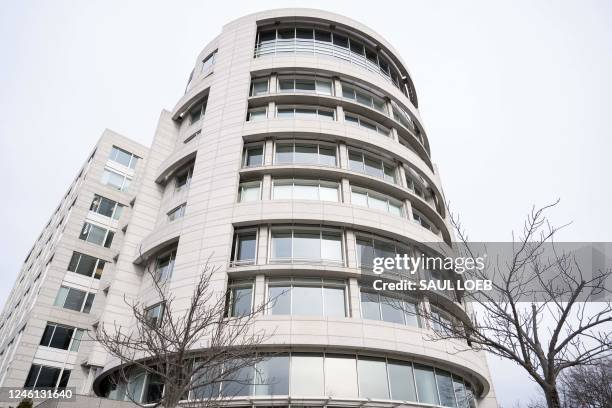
(76, 341)
(307, 375)
(307, 300)
(284, 153)
(249, 191)
(86, 265)
(123, 157)
(280, 300)
(239, 381)
(241, 299)
(61, 337)
(165, 265)
(401, 381)
(192, 137)
(198, 110)
(45, 377)
(445, 388)
(371, 166)
(253, 156)
(460, 393)
(282, 245)
(116, 180)
(183, 178)
(272, 376)
(74, 299)
(321, 35)
(104, 206)
(391, 309)
(340, 376)
(154, 314)
(259, 87)
(373, 378)
(257, 114)
(426, 384)
(177, 212)
(306, 245)
(209, 61)
(334, 302)
(306, 154)
(375, 201)
(88, 302)
(244, 247)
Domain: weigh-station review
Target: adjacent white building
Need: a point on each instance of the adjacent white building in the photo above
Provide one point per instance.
(296, 154)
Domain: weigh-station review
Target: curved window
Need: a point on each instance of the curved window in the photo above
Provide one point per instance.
(256, 114)
(305, 112)
(368, 248)
(314, 375)
(244, 247)
(305, 153)
(310, 40)
(371, 165)
(375, 306)
(253, 156)
(376, 201)
(368, 124)
(164, 265)
(259, 87)
(307, 296)
(319, 86)
(363, 97)
(249, 191)
(240, 298)
(304, 189)
(422, 221)
(306, 245)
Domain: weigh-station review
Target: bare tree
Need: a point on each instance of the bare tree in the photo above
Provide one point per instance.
(537, 313)
(186, 350)
(587, 386)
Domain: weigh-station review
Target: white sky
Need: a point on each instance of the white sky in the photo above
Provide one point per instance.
(515, 97)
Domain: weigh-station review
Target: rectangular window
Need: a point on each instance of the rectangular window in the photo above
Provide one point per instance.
(445, 388)
(307, 375)
(373, 378)
(164, 265)
(305, 112)
(249, 191)
(375, 306)
(259, 87)
(421, 220)
(295, 245)
(256, 114)
(177, 212)
(358, 120)
(106, 207)
(209, 61)
(41, 376)
(183, 178)
(305, 85)
(304, 153)
(244, 248)
(401, 381)
(61, 337)
(363, 97)
(86, 265)
(376, 201)
(74, 299)
(272, 376)
(307, 296)
(426, 384)
(253, 156)
(302, 189)
(154, 315)
(340, 375)
(198, 111)
(123, 157)
(240, 298)
(371, 165)
(96, 235)
(116, 180)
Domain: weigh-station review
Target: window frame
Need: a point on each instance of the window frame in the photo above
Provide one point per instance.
(232, 286)
(125, 183)
(234, 261)
(315, 108)
(292, 282)
(306, 229)
(109, 234)
(245, 154)
(117, 207)
(96, 265)
(243, 186)
(212, 57)
(315, 183)
(86, 304)
(373, 157)
(133, 158)
(257, 114)
(295, 142)
(158, 319)
(176, 212)
(379, 196)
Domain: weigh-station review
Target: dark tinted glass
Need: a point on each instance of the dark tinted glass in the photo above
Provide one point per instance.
(48, 377)
(46, 337)
(61, 337)
(74, 299)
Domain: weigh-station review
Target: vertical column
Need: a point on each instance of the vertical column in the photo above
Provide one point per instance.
(354, 298)
(425, 310)
(389, 107)
(273, 84)
(346, 191)
(268, 152)
(343, 155)
(262, 245)
(408, 206)
(394, 135)
(351, 257)
(266, 188)
(401, 173)
(271, 110)
(259, 295)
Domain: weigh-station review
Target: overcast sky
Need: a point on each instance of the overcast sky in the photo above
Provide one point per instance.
(515, 96)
